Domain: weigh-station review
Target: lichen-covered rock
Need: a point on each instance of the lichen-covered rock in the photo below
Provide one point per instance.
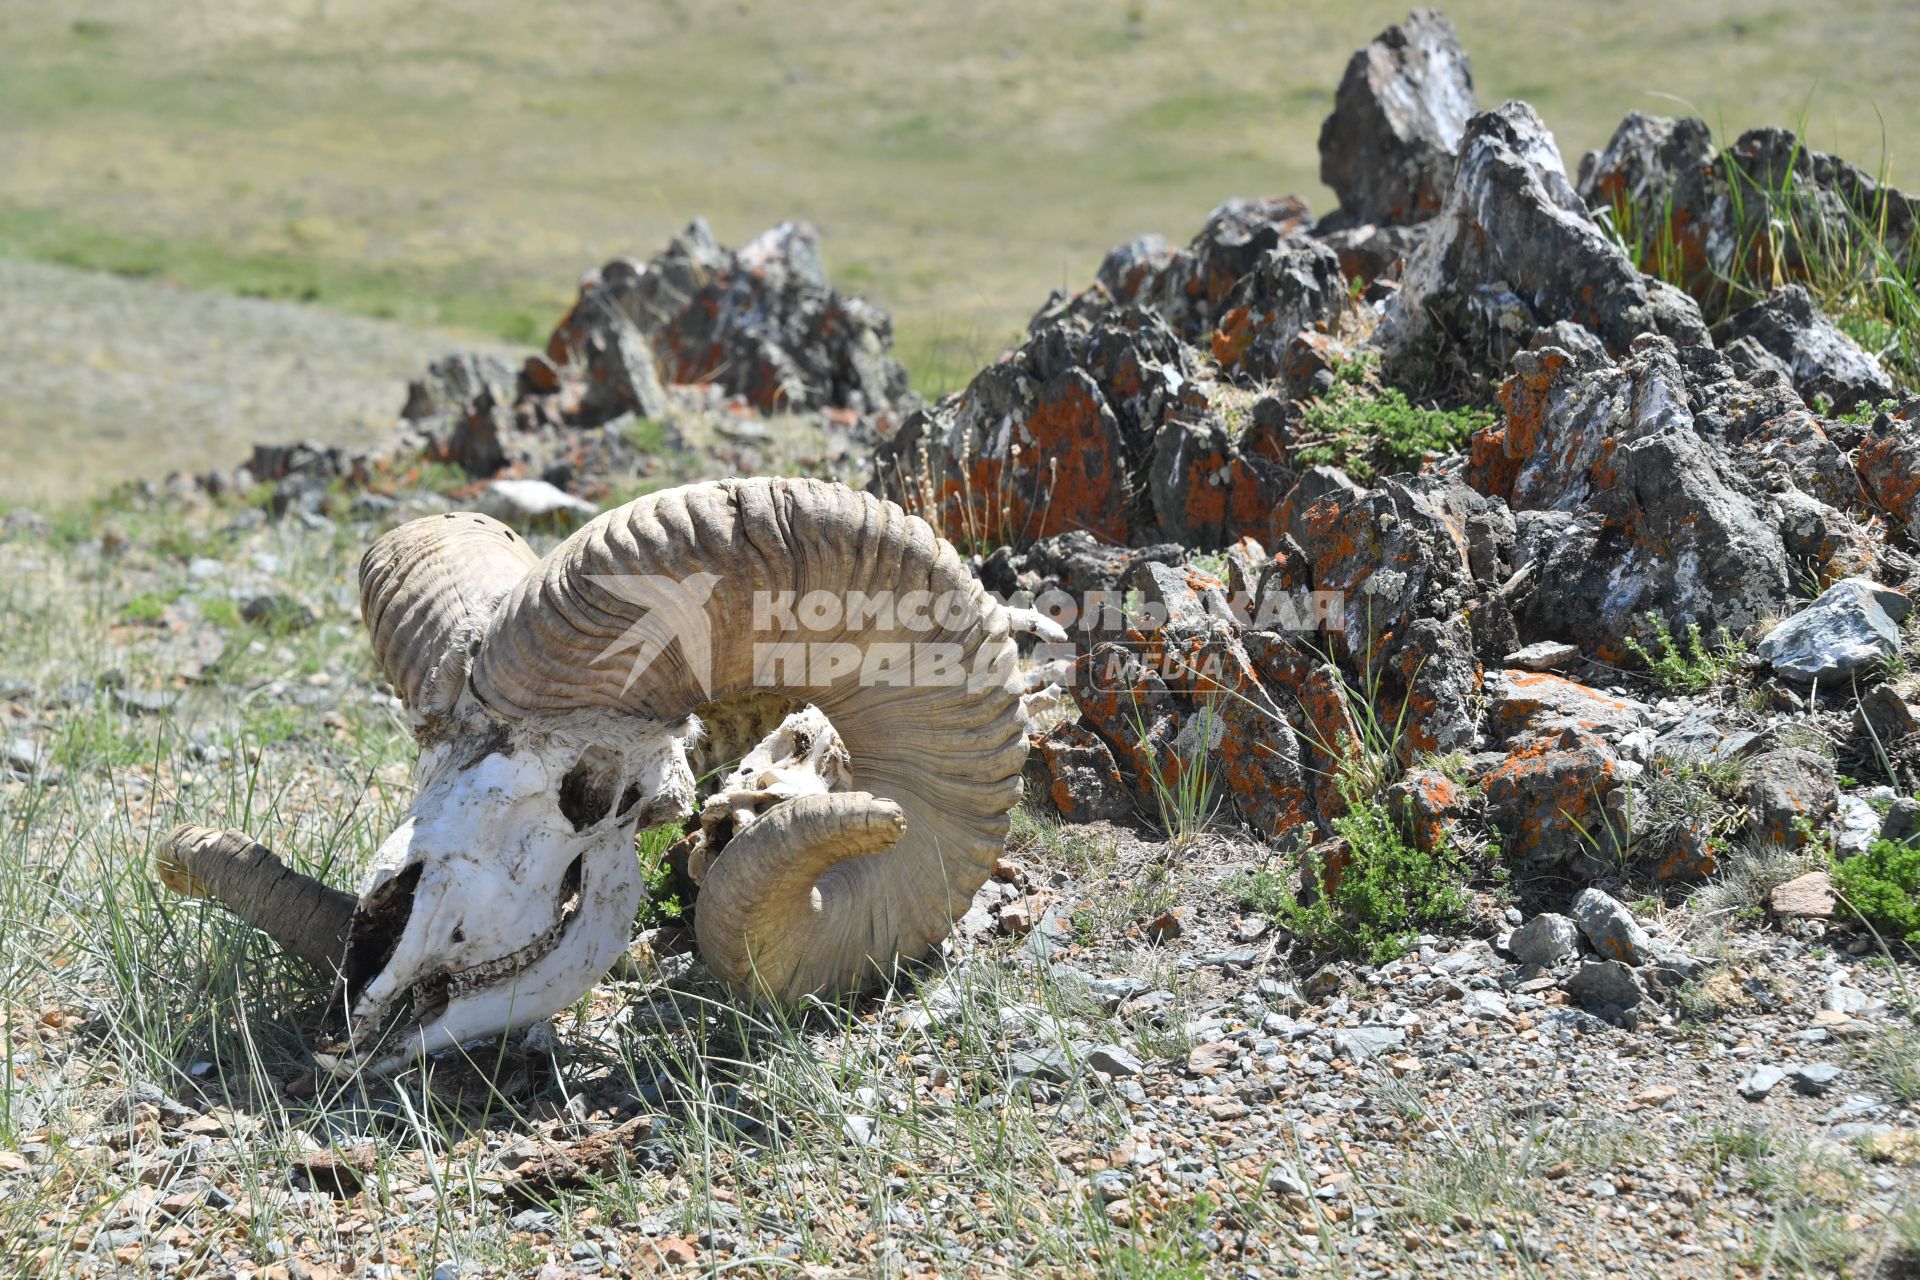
(1823, 362)
(1393, 552)
(1261, 769)
(1013, 459)
(1295, 287)
(1562, 803)
(1514, 250)
(1642, 163)
(1074, 769)
(1434, 665)
(1527, 707)
(1889, 463)
(1611, 930)
(1791, 797)
(1766, 208)
(1388, 148)
(1667, 523)
(1429, 805)
(1191, 292)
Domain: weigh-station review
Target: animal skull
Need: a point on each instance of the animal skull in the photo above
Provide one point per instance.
(849, 838)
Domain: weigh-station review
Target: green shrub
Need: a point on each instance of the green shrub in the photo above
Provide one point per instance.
(1363, 429)
(1386, 894)
(1883, 884)
(1694, 669)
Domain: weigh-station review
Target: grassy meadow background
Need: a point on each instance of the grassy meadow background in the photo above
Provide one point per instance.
(458, 165)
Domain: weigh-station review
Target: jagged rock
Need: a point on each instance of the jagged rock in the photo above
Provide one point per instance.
(763, 323)
(1668, 526)
(1135, 266)
(1434, 665)
(453, 382)
(1297, 286)
(1091, 425)
(1074, 770)
(1013, 460)
(1766, 207)
(1610, 928)
(1429, 805)
(1370, 253)
(1388, 148)
(1545, 940)
(1080, 564)
(1822, 361)
(1641, 165)
(1607, 989)
(1393, 552)
(1239, 234)
(1848, 628)
(1261, 767)
(1889, 463)
(1514, 250)
(622, 374)
(1790, 796)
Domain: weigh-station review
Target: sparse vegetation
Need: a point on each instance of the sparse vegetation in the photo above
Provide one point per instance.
(1374, 895)
(1693, 667)
(1364, 427)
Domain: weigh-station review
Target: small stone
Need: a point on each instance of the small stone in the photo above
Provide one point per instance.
(1015, 919)
(1545, 940)
(1115, 1061)
(1607, 988)
(1808, 897)
(1205, 1059)
(1814, 1079)
(1845, 630)
(1610, 928)
(1114, 992)
(1544, 655)
(1282, 1180)
(1485, 1004)
(1760, 1082)
(1357, 1044)
(1842, 998)
(1111, 1185)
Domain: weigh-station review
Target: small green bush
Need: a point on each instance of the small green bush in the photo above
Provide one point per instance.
(1364, 429)
(1387, 893)
(1883, 884)
(1694, 669)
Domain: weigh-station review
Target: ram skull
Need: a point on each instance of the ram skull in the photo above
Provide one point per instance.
(561, 704)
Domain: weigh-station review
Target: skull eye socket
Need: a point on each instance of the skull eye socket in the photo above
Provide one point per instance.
(586, 792)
